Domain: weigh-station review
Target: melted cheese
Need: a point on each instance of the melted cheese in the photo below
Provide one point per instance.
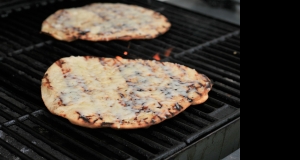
(106, 19)
(117, 90)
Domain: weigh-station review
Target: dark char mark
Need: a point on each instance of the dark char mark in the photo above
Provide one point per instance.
(83, 32)
(121, 95)
(85, 119)
(190, 100)
(47, 83)
(178, 107)
(210, 83)
(160, 105)
(153, 121)
(106, 124)
(60, 63)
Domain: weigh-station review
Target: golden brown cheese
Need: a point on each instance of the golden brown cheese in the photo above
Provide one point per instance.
(105, 22)
(94, 92)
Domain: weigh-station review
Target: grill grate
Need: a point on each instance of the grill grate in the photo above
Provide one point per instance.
(29, 131)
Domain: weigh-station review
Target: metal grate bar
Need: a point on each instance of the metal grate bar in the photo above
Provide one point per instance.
(207, 59)
(191, 117)
(37, 66)
(7, 113)
(16, 38)
(227, 89)
(20, 75)
(24, 68)
(141, 152)
(27, 143)
(12, 104)
(205, 108)
(218, 58)
(212, 75)
(71, 141)
(214, 41)
(71, 49)
(227, 98)
(147, 142)
(20, 32)
(17, 97)
(91, 138)
(8, 45)
(194, 110)
(41, 137)
(14, 150)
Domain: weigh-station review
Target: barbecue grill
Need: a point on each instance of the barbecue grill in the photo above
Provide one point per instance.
(29, 131)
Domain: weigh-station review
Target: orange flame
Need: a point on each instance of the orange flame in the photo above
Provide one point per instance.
(125, 53)
(156, 57)
(119, 58)
(168, 52)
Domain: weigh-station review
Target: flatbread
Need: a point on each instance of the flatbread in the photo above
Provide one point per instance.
(97, 92)
(105, 22)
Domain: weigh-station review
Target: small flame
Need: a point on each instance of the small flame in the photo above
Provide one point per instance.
(125, 53)
(168, 52)
(156, 57)
(119, 58)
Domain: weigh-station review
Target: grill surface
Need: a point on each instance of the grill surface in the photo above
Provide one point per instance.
(29, 131)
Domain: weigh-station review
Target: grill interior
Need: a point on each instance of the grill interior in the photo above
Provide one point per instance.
(29, 131)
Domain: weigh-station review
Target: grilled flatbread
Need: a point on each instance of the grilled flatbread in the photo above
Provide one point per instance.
(99, 92)
(105, 22)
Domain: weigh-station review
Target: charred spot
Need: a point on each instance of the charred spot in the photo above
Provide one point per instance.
(153, 121)
(121, 95)
(178, 107)
(190, 87)
(84, 118)
(140, 90)
(206, 79)
(106, 124)
(83, 32)
(87, 57)
(60, 102)
(125, 37)
(160, 105)
(137, 113)
(132, 29)
(47, 83)
(60, 63)
(122, 103)
(200, 94)
(200, 84)
(189, 100)
(95, 121)
(161, 63)
(209, 85)
(168, 116)
(144, 107)
(160, 118)
(66, 70)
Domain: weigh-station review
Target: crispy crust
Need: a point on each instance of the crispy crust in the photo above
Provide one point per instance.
(149, 24)
(52, 92)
